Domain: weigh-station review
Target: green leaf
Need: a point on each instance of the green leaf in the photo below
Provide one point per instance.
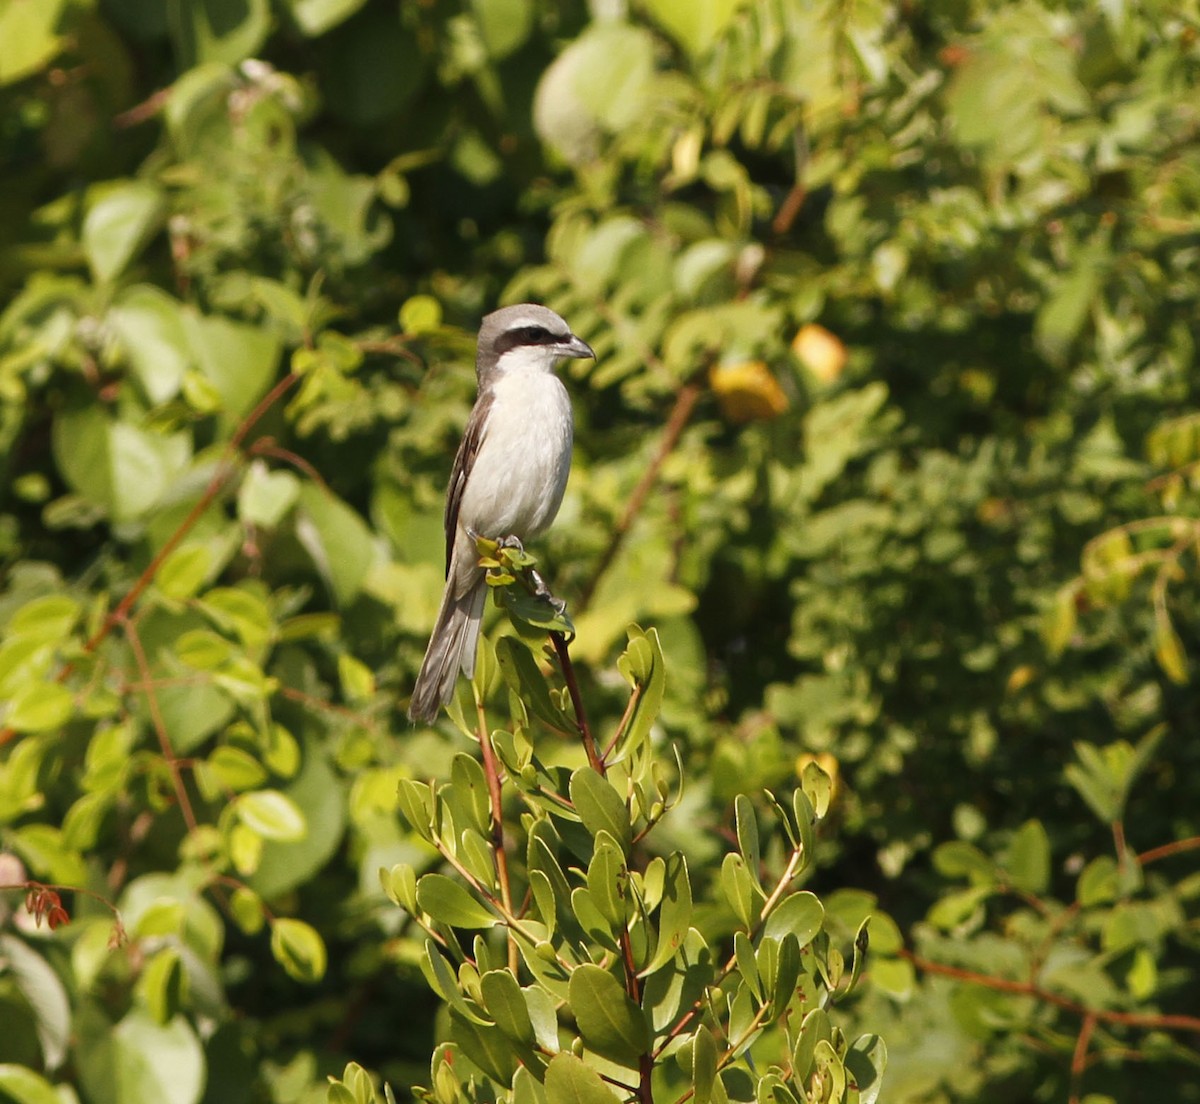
(36, 980)
(299, 949)
(184, 571)
(40, 708)
(226, 31)
(522, 676)
(739, 890)
(149, 324)
(953, 909)
(747, 963)
(138, 1059)
(695, 25)
(1028, 859)
(644, 667)
(894, 976)
(704, 1065)
(239, 770)
(600, 806)
(49, 619)
(29, 38)
(865, 1062)
(336, 538)
(570, 1081)
(416, 803)
(238, 359)
(1064, 312)
(957, 859)
(534, 610)
(321, 794)
(505, 1003)
(163, 985)
(204, 649)
(1169, 650)
(265, 497)
(747, 833)
(801, 915)
(421, 314)
(273, 815)
(603, 78)
(449, 903)
(246, 907)
(595, 925)
(491, 1050)
(787, 972)
(818, 787)
(121, 468)
(814, 1028)
(606, 875)
(675, 913)
(19, 1083)
(120, 220)
(315, 17)
(609, 1022)
(242, 611)
(1099, 883)
(503, 24)
(356, 678)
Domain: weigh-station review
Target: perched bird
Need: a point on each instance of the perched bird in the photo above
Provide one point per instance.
(507, 481)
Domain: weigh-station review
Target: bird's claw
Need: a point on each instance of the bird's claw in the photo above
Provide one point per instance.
(540, 590)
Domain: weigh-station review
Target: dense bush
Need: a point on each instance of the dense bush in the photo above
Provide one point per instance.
(888, 448)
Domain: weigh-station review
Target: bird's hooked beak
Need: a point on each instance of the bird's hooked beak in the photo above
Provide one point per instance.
(576, 347)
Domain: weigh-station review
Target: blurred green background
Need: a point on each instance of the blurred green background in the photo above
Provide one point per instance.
(891, 434)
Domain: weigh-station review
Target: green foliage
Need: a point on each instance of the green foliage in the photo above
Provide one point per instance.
(890, 446)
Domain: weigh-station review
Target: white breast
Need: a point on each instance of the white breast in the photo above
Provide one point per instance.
(518, 478)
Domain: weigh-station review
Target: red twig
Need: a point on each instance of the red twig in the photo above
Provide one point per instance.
(1079, 1058)
(585, 732)
(159, 725)
(215, 485)
(1150, 1021)
(681, 412)
(1178, 847)
(491, 771)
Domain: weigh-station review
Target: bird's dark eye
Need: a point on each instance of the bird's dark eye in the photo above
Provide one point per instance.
(525, 335)
(536, 335)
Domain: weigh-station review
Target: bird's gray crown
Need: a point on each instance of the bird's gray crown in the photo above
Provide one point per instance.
(525, 325)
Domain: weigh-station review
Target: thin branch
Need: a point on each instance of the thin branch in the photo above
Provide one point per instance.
(630, 706)
(491, 771)
(147, 109)
(216, 484)
(159, 725)
(681, 412)
(320, 705)
(634, 989)
(1151, 1021)
(698, 1006)
(1178, 847)
(1079, 1058)
(568, 669)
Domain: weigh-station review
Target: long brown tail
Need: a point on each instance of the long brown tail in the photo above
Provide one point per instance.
(451, 649)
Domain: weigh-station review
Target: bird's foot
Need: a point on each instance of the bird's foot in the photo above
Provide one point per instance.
(540, 590)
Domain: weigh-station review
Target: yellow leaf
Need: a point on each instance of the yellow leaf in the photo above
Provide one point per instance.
(1020, 678)
(747, 391)
(827, 762)
(821, 352)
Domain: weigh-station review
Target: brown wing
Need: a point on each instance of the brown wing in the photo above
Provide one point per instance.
(464, 461)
